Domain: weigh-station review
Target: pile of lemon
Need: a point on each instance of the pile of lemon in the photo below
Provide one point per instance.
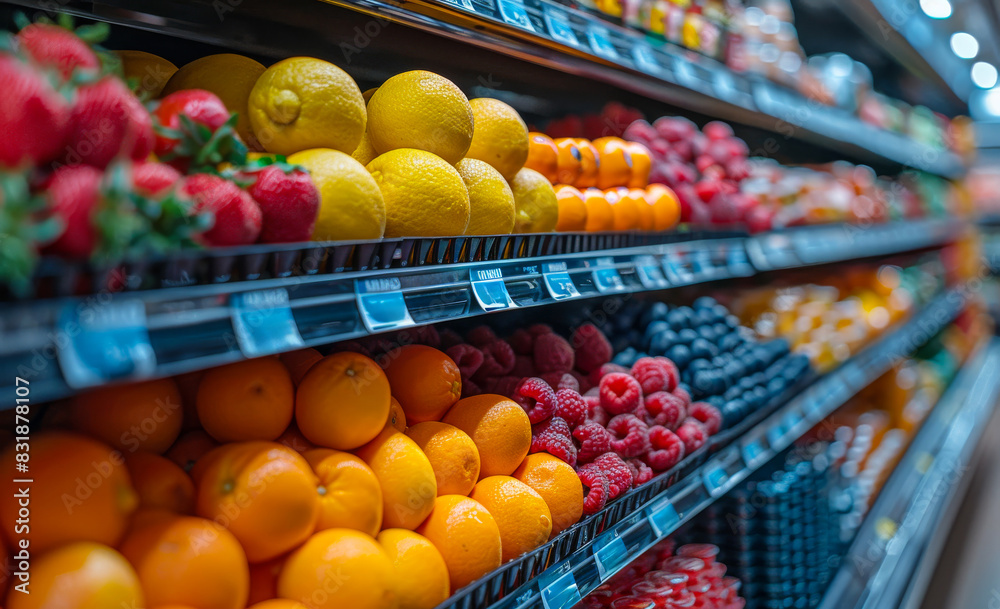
(413, 158)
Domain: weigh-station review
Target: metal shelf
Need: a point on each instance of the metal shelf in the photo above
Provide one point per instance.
(892, 546)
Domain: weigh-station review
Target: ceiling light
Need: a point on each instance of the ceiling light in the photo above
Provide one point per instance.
(984, 75)
(964, 45)
(936, 9)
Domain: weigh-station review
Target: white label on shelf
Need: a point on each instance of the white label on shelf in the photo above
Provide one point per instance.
(263, 322)
(558, 282)
(606, 277)
(645, 58)
(649, 273)
(465, 5)
(610, 553)
(675, 269)
(662, 517)
(381, 304)
(600, 42)
(490, 290)
(558, 588)
(558, 25)
(104, 342)
(513, 13)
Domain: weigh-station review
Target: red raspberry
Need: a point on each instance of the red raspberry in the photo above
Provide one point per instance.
(652, 376)
(553, 354)
(537, 330)
(537, 399)
(427, 335)
(591, 346)
(450, 338)
(571, 407)
(618, 473)
(595, 413)
(555, 425)
(594, 441)
(602, 371)
(683, 394)
(498, 359)
(561, 380)
(629, 435)
(582, 381)
(643, 472)
(524, 366)
(666, 451)
(480, 336)
(673, 375)
(620, 393)
(692, 434)
(665, 409)
(707, 415)
(467, 358)
(598, 488)
(522, 341)
(470, 388)
(557, 445)
(505, 385)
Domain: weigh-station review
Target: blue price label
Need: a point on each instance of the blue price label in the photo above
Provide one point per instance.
(738, 262)
(600, 42)
(608, 280)
(558, 25)
(490, 290)
(465, 5)
(676, 271)
(649, 273)
(382, 305)
(558, 589)
(263, 322)
(752, 450)
(814, 405)
(645, 59)
(775, 435)
(792, 420)
(713, 478)
(662, 517)
(513, 13)
(104, 342)
(610, 554)
(558, 282)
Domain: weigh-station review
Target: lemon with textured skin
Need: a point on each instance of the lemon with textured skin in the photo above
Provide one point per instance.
(150, 73)
(500, 137)
(301, 103)
(368, 94)
(365, 152)
(421, 110)
(537, 208)
(229, 76)
(424, 196)
(490, 198)
(351, 205)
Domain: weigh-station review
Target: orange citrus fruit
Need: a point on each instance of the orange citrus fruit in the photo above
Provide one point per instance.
(188, 386)
(251, 400)
(264, 580)
(81, 492)
(521, 514)
(600, 214)
(452, 454)
(188, 561)
(543, 156)
(642, 164)
(569, 162)
(263, 492)
(559, 486)
(467, 537)
(590, 162)
(160, 483)
(666, 207)
(82, 575)
(339, 569)
(405, 475)
(642, 206)
(293, 438)
(500, 429)
(421, 575)
(572, 209)
(140, 416)
(424, 380)
(190, 447)
(343, 401)
(625, 210)
(299, 362)
(616, 162)
(349, 493)
(397, 418)
(278, 603)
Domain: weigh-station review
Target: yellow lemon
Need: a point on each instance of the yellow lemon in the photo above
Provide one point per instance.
(365, 152)
(368, 94)
(229, 76)
(424, 196)
(421, 110)
(500, 137)
(490, 198)
(149, 72)
(351, 204)
(536, 203)
(301, 103)
(421, 574)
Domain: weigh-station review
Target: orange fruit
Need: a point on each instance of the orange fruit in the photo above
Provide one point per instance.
(278, 603)
(625, 210)
(642, 164)
(339, 569)
(293, 438)
(188, 561)
(349, 493)
(251, 400)
(189, 448)
(568, 165)
(397, 418)
(80, 575)
(405, 475)
(666, 207)
(160, 483)
(543, 156)
(343, 401)
(140, 416)
(590, 162)
(642, 206)
(615, 168)
(264, 580)
(81, 492)
(424, 380)
(263, 492)
(559, 486)
(521, 514)
(467, 537)
(299, 362)
(572, 209)
(600, 214)
(500, 429)
(421, 575)
(452, 454)
(188, 386)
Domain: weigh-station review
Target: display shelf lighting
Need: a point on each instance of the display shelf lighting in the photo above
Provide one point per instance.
(984, 75)
(964, 45)
(991, 101)
(936, 9)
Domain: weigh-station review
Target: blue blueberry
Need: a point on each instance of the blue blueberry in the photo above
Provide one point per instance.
(686, 336)
(680, 355)
(705, 302)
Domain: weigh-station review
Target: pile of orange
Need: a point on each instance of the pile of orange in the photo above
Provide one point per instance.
(603, 185)
(284, 483)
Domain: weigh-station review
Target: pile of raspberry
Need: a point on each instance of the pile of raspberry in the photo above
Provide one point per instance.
(689, 577)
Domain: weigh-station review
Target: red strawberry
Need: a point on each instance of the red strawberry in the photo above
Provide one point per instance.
(34, 118)
(153, 179)
(59, 48)
(289, 202)
(194, 128)
(108, 121)
(73, 194)
(237, 215)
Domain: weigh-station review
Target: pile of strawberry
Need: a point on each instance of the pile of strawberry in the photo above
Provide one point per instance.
(87, 171)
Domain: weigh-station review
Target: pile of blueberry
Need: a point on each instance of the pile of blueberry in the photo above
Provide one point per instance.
(720, 361)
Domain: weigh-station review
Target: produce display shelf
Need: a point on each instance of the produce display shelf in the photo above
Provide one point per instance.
(62, 345)
(538, 580)
(546, 33)
(895, 550)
